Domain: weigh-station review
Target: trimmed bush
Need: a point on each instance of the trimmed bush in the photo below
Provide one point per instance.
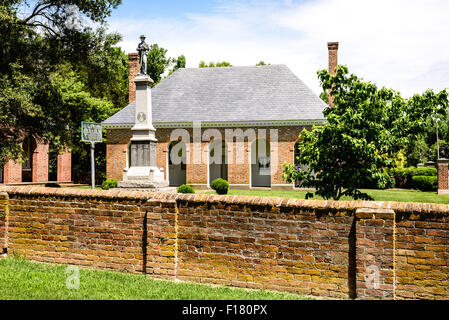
(426, 171)
(185, 188)
(403, 176)
(110, 183)
(52, 185)
(220, 186)
(425, 183)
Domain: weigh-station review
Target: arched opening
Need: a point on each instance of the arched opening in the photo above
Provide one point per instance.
(53, 153)
(176, 158)
(218, 160)
(260, 163)
(28, 145)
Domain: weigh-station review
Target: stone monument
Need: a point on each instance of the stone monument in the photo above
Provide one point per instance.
(143, 172)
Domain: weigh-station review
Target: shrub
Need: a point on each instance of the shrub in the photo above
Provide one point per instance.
(52, 185)
(220, 186)
(425, 183)
(110, 183)
(185, 188)
(403, 176)
(426, 171)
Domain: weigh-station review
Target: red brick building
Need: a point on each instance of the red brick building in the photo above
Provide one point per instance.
(35, 169)
(236, 123)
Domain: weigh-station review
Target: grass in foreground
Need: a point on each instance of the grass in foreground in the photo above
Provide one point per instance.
(24, 280)
(378, 195)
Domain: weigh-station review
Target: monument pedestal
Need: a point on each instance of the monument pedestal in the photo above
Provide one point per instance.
(143, 173)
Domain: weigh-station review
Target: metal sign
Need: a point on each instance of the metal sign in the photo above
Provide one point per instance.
(91, 132)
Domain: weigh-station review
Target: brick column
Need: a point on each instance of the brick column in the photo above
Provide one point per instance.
(40, 163)
(64, 167)
(443, 184)
(12, 172)
(374, 254)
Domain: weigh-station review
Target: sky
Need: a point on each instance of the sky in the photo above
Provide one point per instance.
(399, 44)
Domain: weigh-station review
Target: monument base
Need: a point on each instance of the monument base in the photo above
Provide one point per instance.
(146, 179)
(144, 187)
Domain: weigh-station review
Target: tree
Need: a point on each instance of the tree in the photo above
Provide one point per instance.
(82, 106)
(33, 49)
(262, 63)
(105, 69)
(158, 62)
(365, 130)
(211, 64)
(180, 62)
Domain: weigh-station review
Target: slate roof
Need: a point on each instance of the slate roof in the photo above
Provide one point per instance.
(229, 94)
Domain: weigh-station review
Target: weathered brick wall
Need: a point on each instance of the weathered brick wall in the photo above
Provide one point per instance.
(355, 249)
(102, 230)
(422, 253)
(3, 221)
(280, 244)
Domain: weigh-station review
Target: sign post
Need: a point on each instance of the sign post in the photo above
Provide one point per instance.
(91, 132)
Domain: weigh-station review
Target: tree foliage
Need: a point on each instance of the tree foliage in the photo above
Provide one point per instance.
(365, 131)
(179, 63)
(158, 62)
(54, 74)
(211, 64)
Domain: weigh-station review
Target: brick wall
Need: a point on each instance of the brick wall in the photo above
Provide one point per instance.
(3, 221)
(52, 225)
(344, 249)
(422, 254)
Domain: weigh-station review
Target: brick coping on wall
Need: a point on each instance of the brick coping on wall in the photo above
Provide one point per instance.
(416, 208)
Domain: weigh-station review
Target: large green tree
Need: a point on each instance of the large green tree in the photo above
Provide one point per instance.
(365, 130)
(55, 72)
(33, 46)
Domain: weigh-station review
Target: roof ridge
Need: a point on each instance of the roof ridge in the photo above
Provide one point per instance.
(231, 67)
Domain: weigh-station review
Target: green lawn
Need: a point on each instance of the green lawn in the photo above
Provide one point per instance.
(21, 279)
(378, 195)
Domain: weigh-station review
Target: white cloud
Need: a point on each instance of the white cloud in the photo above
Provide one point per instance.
(399, 44)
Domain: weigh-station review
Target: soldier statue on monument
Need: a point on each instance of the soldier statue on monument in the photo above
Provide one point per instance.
(142, 49)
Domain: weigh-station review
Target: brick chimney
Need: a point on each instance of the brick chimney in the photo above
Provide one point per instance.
(134, 67)
(333, 63)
